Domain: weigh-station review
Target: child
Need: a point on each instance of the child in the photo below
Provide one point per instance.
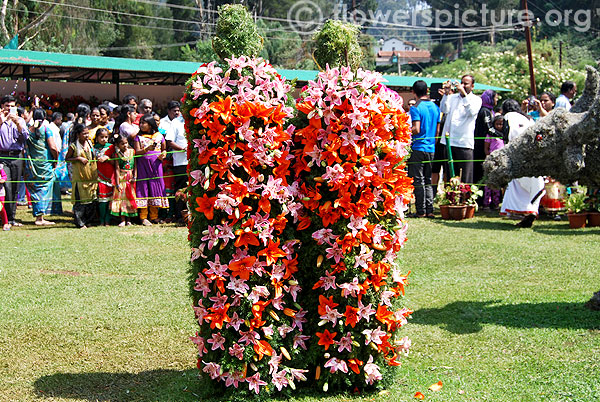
(106, 173)
(3, 216)
(123, 204)
(85, 176)
(493, 141)
(150, 146)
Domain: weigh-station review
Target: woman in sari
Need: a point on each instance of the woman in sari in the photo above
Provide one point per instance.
(96, 123)
(60, 169)
(41, 151)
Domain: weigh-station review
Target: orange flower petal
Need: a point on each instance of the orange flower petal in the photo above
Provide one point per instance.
(436, 387)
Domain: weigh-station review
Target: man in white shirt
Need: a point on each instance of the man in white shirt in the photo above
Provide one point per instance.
(173, 124)
(461, 111)
(567, 91)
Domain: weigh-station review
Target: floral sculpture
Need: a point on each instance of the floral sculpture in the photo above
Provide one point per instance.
(293, 232)
(241, 201)
(352, 142)
(245, 293)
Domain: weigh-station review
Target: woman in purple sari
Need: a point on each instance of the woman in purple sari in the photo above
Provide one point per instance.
(150, 146)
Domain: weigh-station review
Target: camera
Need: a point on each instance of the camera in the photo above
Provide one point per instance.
(531, 101)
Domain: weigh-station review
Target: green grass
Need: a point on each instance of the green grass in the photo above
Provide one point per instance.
(104, 314)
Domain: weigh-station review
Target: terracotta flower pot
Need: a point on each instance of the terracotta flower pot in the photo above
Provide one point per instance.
(444, 211)
(470, 213)
(457, 212)
(593, 219)
(577, 221)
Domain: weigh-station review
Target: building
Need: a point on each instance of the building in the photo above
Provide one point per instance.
(397, 51)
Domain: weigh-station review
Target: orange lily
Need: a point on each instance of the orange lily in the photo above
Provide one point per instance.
(328, 214)
(218, 316)
(262, 348)
(385, 316)
(223, 109)
(246, 238)
(205, 156)
(324, 301)
(326, 338)
(348, 242)
(215, 130)
(339, 267)
(351, 315)
(305, 107)
(392, 360)
(304, 223)
(355, 364)
(248, 162)
(262, 112)
(278, 115)
(272, 252)
(291, 267)
(259, 307)
(279, 223)
(238, 189)
(206, 205)
(265, 204)
(289, 312)
(242, 268)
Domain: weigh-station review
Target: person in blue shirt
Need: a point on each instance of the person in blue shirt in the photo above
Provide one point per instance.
(425, 116)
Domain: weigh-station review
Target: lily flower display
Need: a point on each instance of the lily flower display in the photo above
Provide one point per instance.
(351, 141)
(243, 205)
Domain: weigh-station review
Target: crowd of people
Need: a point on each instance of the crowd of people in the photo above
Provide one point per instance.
(474, 127)
(120, 163)
(124, 164)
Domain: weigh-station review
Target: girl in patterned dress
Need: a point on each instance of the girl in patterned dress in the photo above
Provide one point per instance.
(124, 204)
(103, 152)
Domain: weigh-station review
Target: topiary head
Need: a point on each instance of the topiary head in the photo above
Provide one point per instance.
(336, 45)
(236, 33)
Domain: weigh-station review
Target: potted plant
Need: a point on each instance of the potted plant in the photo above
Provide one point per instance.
(458, 197)
(593, 206)
(576, 210)
(472, 206)
(444, 204)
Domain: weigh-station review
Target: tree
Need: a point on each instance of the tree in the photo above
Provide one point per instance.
(23, 18)
(202, 52)
(192, 28)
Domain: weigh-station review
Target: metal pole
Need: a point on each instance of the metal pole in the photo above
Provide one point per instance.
(529, 51)
(450, 160)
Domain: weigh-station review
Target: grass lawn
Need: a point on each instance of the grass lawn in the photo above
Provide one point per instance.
(104, 314)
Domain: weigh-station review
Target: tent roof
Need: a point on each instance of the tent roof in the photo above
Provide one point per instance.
(16, 64)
